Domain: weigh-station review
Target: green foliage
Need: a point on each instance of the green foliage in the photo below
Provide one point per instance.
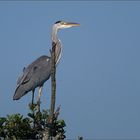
(16, 126)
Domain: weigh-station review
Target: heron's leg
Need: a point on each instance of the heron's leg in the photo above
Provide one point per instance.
(39, 96)
(33, 110)
(33, 91)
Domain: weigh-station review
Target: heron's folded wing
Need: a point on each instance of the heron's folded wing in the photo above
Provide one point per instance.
(25, 77)
(27, 74)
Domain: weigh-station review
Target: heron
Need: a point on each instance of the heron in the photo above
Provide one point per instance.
(39, 71)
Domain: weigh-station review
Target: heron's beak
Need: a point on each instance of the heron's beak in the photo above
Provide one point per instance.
(72, 24)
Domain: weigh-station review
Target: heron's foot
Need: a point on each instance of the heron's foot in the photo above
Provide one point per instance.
(38, 105)
(32, 106)
(38, 102)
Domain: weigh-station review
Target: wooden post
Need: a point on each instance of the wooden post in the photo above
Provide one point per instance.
(53, 84)
(47, 135)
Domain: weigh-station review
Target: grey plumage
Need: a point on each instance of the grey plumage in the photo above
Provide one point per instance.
(33, 76)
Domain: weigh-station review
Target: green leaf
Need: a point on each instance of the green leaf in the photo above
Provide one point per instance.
(2, 120)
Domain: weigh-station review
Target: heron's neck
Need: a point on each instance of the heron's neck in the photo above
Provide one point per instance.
(58, 49)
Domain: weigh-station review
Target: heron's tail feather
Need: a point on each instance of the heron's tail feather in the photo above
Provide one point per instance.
(19, 92)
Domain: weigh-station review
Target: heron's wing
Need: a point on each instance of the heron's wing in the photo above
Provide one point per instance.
(24, 78)
(34, 68)
(21, 76)
(27, 75)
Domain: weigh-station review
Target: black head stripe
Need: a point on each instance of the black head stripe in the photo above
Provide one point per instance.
(58, 22)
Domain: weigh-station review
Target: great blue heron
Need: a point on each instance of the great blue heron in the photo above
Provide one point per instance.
(38, 72)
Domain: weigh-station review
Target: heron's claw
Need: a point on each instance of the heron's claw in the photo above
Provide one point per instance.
(38, 105)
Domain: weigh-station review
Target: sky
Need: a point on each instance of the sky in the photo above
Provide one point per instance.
(98, 80)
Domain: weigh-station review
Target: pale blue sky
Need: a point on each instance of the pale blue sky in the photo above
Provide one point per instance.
(98, 80)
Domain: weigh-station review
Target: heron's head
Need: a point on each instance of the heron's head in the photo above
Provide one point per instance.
(63, 24)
